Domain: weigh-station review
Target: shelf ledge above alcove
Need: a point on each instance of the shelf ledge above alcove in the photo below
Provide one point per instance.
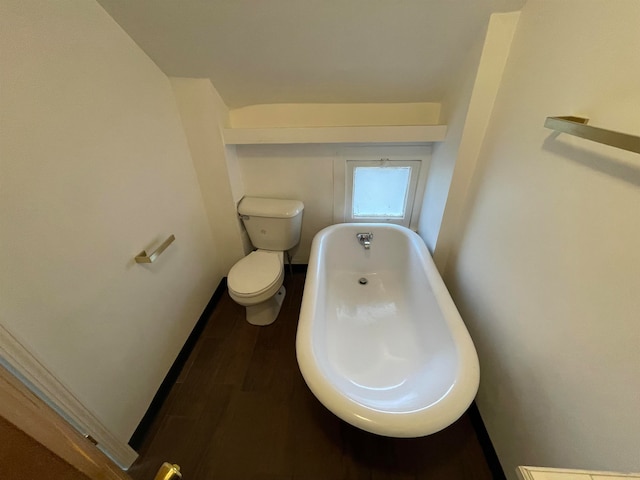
(409, 134)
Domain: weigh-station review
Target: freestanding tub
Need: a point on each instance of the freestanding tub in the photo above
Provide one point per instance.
(390, 356)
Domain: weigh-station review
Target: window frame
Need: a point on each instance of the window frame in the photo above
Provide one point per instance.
(417, 157)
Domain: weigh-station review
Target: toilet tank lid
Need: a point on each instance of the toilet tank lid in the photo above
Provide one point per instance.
(270, 207)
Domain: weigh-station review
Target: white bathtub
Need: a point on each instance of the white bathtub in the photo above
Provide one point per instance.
(391, 357)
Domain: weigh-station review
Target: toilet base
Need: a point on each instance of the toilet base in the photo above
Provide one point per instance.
(265, 313)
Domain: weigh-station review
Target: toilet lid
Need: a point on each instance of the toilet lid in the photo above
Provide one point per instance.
(255, 273)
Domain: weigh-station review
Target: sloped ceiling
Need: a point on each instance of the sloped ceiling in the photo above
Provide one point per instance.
(310, 51)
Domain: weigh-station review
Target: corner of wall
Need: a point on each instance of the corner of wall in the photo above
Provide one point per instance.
(454, 109)
(204, 114)
(457, 157)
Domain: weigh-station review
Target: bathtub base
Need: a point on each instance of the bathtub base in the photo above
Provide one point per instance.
(265, 313)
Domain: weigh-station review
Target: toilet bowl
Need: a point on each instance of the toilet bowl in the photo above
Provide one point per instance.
(255, 282)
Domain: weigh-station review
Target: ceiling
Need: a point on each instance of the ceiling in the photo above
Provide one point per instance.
(310, 51)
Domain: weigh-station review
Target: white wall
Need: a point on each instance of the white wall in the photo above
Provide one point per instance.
(454, 113)
(467, 108)
(95, 168)
(203, 115)
(546, 269)
(301, 172)
(306, 173)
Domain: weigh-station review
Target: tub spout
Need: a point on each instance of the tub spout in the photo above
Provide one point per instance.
(365, 239)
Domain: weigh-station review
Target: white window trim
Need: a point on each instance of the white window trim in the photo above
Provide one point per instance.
(341, 178)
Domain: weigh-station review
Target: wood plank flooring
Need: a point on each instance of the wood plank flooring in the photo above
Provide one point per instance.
(240, 410)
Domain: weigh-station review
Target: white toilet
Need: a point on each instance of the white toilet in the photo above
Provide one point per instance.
(255, 281)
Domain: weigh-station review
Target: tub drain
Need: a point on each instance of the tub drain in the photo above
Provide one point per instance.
(363, 281)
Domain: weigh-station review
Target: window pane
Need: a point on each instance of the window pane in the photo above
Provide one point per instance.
(380, 191)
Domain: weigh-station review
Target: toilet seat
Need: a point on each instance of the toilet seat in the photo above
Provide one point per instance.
(256, 273)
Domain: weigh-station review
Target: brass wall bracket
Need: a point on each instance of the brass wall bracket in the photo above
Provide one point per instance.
(578, 127)
(143, 257)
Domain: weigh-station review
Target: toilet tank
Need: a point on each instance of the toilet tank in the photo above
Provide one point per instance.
(272, 224)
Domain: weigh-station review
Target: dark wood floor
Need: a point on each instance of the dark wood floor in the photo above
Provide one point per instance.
(241, 410)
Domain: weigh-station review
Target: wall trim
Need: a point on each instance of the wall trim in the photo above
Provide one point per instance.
(32, 372)
(299, 267)
(485, 443)
(172, 375)
(20, 407)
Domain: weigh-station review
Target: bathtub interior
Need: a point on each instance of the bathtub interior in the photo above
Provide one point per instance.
(384, 345)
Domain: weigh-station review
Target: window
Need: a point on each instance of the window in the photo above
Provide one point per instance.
(381, 191)
(385, 190)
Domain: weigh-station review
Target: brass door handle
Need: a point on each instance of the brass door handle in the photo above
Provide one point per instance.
(168, 472)
(142, 257)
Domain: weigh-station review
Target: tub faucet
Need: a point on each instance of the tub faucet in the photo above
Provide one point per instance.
(365, 239)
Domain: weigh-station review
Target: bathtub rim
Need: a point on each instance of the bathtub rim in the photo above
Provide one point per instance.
(404, 424)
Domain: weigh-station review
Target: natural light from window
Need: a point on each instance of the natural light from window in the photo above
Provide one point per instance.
(380, 191)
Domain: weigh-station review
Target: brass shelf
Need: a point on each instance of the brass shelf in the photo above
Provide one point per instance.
(578, 127)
